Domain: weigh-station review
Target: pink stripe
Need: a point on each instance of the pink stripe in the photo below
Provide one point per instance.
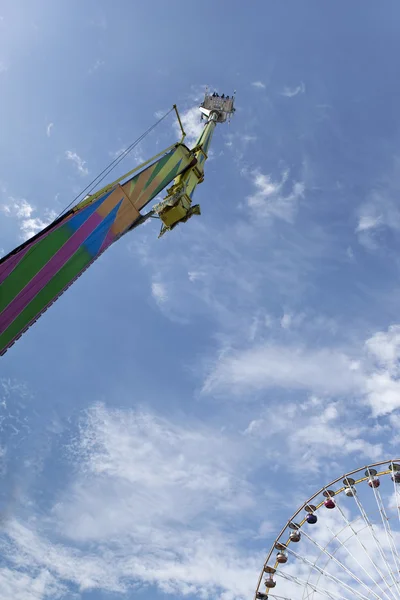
(10, 264)
(43, 310)
(49, 270)
(36, 317)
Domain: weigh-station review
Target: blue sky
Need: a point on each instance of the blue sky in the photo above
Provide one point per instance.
(161, 422)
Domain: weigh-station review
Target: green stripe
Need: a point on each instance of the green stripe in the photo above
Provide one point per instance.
(171, 175)
(30, 265)
(157, 168)
(76, 263)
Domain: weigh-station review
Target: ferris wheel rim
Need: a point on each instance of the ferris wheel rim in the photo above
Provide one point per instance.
(348, 481)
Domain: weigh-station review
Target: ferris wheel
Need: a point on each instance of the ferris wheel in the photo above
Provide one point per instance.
(343, 543)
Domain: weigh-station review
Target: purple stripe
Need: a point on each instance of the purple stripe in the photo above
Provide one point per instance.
(43, 310)
(10, 264)
(43, 277)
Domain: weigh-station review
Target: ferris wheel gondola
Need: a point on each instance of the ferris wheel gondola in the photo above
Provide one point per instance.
(341, 543)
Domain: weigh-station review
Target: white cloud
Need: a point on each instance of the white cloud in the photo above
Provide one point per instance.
(291, 92)
(159, 292)
(312, 431)
(368, 222)
(291, 320)
(49, 128)
(78, 161)
(286, 321)
(379, 212)
(383, 393)
(372, 374)
(30, 227)
(385, 348)
(269, 200)
(383, 382)
(19, 208)
(271, 366)
(23, 212)
(177, 472)
(3, 67)
(259, 84)
(192, 125)
(19, 585)
(153, 502)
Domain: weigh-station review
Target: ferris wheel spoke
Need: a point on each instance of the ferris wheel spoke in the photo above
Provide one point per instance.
(314, 587)
(341, 565)
(328, 575)
(356, 553)
(397, 498)
(366, 551)
(377, 542)
(344, 547)
(386, 524)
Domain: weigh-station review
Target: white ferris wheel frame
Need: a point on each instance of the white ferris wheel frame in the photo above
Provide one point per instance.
(392, 591)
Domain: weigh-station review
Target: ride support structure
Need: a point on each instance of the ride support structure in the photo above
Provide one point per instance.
(177, 206)
(36, 273)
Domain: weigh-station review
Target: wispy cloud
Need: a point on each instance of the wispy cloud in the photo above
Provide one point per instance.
(214, 271)
(259, 84)
(324, 429)
(49, 129)
(37, 585)
(350, 254)
(269, 199)
(97, 65)
(291, 92)
(99, 21)
(29, 225)
(136, 155)
(248, 138)
(153, 500)
(78, 161)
